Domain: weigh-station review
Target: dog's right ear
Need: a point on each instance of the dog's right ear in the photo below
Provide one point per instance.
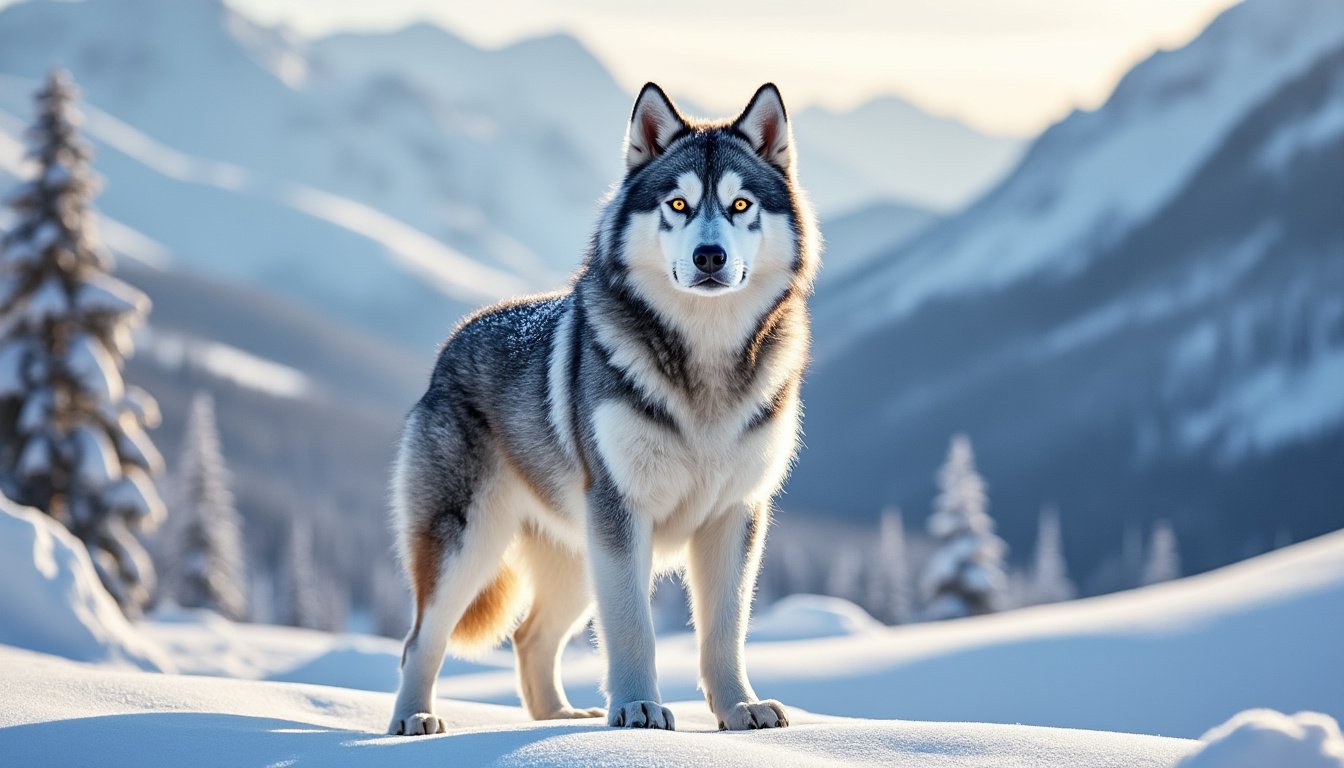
(653, 124)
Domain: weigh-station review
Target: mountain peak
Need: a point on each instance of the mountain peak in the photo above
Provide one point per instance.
(131, 41)
(937, 161)
(553, 43)
(1093, 175)
(415, 38)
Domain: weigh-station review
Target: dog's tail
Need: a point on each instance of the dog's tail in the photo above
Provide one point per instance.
(492, 616)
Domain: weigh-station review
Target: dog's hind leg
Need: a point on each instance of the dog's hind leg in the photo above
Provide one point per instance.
(469, 592)
(456, 524)
(561, 601)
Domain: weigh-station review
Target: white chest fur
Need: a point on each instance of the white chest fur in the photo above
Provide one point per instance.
(680, 478)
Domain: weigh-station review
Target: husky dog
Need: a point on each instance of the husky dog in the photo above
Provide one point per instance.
(571, 446)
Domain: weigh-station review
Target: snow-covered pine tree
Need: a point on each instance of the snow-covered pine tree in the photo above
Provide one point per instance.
(964, 575)
(308, 598)
(72, 440)
(205, 554)
(1131, 556)
(298, 600)
(391, 600)
(795, 566)
(845, 576)
(888, 597)
(1164, 555)
(1050, 581)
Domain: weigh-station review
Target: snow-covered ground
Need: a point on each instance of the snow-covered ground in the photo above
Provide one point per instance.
(1173, 659)
(64, 714)
(1138, 669)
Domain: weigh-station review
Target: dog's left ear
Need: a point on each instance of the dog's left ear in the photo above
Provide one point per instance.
(766, 125)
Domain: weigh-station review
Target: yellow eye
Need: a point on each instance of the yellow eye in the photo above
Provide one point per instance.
(741, 204)
(678, 204)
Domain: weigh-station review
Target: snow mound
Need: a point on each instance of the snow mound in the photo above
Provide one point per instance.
(802, 617)
(1262, 737)
(369, 664)
(201, 642)
(53, 712)
(364, 666)
(52, 600)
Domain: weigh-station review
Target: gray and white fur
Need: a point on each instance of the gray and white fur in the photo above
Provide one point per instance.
(571, 446)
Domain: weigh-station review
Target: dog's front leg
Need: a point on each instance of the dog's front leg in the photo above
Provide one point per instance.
(620, 550)
(725, 555)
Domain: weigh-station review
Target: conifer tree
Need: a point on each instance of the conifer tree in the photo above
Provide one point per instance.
(72, 439)
(206, 555)
(964, 576)
(391, 602)
(845, 578)
(1164, 556)
(1050, 581)
(309, 597)
(888, 577)
(298, 599)
(1131, 556)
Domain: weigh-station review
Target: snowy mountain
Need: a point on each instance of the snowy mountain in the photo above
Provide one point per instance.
(1143, 321)
(856, 238)
(550, 85)
(1092, 177)
(393, 179)
(221, 144)
(890, 149)
(309, 409)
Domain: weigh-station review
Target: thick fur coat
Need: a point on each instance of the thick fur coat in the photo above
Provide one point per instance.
(571, 446)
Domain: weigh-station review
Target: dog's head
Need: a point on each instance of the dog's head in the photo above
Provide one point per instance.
(710, 207)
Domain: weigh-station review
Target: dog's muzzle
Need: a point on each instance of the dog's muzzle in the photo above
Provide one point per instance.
(710, 261)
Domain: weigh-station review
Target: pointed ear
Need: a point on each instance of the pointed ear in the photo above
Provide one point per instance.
(766, 125)
(653, 123)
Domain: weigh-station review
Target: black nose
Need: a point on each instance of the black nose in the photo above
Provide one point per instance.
(709, 258)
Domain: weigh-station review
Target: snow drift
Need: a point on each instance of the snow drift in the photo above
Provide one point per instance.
(799, 617)
(1262, 737)
(53, 602)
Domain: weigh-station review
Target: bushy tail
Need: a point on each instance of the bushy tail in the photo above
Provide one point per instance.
(491, 616)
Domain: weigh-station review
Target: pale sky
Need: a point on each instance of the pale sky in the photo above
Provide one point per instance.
(1005, 66)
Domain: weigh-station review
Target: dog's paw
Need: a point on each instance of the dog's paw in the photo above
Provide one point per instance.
(419, 724)
(641, 714)
(754, 715)
(572, 713)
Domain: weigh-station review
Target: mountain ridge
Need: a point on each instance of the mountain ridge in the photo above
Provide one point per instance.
(1190, 369)
(1054, 212)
